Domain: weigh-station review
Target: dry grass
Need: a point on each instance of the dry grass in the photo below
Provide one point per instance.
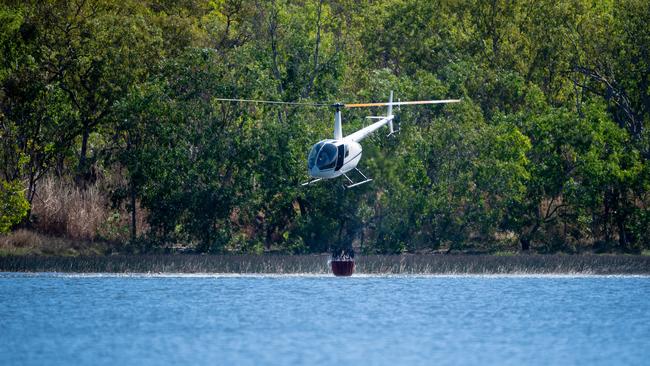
(63, 209)
(508, 264)
(317, 264)
(25, 242)
(185, 263)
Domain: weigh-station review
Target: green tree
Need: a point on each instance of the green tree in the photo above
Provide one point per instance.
(13, 204)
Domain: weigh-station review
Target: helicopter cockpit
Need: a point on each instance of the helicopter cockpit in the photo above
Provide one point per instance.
(323, 155)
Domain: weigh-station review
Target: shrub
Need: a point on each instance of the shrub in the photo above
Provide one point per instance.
(13, 204)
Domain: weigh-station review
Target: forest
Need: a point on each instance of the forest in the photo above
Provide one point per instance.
(111, 131)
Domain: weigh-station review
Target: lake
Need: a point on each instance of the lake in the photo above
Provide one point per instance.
(63, 319)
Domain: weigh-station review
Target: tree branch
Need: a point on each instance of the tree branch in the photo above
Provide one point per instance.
(316, 51)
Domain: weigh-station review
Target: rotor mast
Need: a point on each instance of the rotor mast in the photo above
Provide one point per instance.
(338, 130)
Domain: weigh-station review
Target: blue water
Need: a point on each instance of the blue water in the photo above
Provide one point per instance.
(53, 319)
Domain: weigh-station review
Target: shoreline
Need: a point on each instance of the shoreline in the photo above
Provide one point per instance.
(410, 264)
(309, 275)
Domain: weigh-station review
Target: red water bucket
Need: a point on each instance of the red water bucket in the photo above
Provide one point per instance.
(342, 268)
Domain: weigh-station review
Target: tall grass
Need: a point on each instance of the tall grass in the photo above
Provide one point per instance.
(61, 208)
(317, 264)
(185, 263)
(515, 264)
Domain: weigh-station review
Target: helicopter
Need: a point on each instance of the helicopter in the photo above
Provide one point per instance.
(339, 156)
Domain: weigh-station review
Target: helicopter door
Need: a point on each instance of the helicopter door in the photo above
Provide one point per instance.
(341, 156)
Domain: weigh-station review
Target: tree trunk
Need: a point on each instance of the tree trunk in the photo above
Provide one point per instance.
(525, 244)
(606, 217)
(525, 239)
(622, 235)
(82, 169)
(133, 213)
(268, 238)
(363, 237)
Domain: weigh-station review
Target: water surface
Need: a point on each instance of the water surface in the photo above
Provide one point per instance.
(321, 320)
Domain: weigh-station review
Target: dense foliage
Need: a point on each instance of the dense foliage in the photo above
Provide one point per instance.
(548, 150)
(13, 205)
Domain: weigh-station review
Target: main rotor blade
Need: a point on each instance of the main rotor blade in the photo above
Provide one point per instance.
(273, 102)
(350, 105)
(357, 105)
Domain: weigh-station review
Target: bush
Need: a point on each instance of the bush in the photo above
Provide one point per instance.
(13, 205)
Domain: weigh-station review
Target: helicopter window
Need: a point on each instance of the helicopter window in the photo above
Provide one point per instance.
(339, 160)
(327, 157)
(311, 160)
(347, 151)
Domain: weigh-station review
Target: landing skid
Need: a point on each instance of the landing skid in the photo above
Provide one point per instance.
(395, 132)
(311, 182)
(352, 183)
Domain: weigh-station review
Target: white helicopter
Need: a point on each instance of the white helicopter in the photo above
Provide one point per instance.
(332, 158)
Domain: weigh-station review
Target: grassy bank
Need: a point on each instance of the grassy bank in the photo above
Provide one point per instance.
(317, 264)
(31, 243)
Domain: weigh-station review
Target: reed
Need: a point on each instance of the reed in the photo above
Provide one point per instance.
(317, 264)
(516, 264)
(63, 209)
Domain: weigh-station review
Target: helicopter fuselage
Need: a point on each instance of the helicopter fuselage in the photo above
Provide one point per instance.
(331, 158)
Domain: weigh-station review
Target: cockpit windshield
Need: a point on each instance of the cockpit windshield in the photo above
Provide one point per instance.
(311, 160)
(327, 157)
